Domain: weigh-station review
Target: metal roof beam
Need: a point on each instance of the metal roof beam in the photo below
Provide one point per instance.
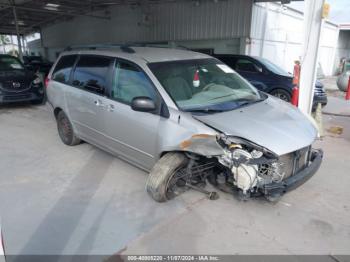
(19, 7)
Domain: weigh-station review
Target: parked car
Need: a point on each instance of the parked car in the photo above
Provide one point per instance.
(269, 77)
(185, 117)
(17, 84)
(37, 64)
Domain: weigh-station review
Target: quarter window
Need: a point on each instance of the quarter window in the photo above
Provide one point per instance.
(63, 68)
(91, 73)
(130, 82)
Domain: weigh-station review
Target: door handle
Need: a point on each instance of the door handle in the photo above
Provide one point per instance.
(98, 103)
(110, 108)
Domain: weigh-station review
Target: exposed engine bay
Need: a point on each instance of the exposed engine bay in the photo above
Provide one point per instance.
(237, 166)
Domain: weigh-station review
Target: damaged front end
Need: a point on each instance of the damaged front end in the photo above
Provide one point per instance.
(243, 168)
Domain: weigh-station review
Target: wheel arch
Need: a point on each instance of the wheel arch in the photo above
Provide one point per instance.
(274, 88)
(56, 111)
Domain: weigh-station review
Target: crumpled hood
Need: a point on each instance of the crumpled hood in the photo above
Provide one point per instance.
(273, 124)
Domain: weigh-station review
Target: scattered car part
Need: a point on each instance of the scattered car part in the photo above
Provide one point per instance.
(211, 195)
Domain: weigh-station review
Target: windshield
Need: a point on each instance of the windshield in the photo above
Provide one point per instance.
(204, 84)
(10, 63)
(273, 67)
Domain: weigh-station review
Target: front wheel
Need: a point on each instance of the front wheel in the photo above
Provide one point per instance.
(282, 94)
(165, 180)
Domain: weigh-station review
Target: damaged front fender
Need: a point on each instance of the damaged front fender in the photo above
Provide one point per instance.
(202, 144)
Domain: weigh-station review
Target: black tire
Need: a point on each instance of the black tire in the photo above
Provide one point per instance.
(282, 94)
(65, 130)
(161, 174)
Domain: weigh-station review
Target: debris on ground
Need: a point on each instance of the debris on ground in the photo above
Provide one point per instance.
(338, 130)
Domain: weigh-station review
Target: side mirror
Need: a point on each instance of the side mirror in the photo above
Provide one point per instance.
(143, 104)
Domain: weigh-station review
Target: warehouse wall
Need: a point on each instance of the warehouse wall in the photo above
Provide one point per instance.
(181, 21)
(277, 34)
(343, 48)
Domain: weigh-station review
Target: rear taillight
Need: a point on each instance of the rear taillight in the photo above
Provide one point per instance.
(47, 80)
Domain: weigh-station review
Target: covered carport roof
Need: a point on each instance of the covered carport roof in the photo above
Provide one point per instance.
(33, 14)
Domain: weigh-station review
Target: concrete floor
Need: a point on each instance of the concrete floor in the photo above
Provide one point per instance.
(79, 200)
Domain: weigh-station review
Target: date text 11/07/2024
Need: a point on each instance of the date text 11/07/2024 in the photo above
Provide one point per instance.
(173, 258)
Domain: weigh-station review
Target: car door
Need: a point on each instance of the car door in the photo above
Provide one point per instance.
(90, 79)
(132, 135)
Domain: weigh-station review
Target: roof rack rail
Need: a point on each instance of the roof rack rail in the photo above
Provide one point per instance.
(124, 47)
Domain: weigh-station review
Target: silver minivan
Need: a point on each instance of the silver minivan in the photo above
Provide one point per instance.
(185, 117)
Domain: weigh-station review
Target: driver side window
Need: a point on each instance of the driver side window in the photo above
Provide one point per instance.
(129, 82)
(245, 65)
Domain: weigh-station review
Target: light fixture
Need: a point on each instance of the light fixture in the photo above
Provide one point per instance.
(19, 22)
(51, 6)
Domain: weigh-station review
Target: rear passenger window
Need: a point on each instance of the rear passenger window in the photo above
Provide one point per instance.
(91, 73)
(130, 82)
(63, 68)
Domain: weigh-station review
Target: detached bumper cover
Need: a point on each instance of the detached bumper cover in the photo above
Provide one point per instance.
(297, 179)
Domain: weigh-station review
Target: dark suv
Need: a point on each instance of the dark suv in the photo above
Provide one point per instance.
(268, 77)
(37, 64)
(17, 84)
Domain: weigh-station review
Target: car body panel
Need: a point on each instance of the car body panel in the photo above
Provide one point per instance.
(86, 113)
(130, 133)
(277, 121)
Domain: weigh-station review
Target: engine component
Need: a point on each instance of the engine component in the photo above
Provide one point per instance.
(245, 176)
(269, 173)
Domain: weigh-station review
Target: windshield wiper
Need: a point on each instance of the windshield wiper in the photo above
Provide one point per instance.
(205, 110)
(250, 102)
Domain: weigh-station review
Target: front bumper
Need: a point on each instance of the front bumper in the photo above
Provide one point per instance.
(294, 181)
(21, 96)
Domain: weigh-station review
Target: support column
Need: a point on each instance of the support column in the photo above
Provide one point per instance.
(312, 33)
(17, 33)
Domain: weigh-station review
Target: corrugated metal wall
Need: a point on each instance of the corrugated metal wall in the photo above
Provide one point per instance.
(277, 34)
(167, 21)
(187, 21)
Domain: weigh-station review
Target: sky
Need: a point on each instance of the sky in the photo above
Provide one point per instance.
(339, 13)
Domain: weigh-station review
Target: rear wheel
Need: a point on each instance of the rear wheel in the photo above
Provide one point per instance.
(65, 130)
(282, 94)
(166, 180)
